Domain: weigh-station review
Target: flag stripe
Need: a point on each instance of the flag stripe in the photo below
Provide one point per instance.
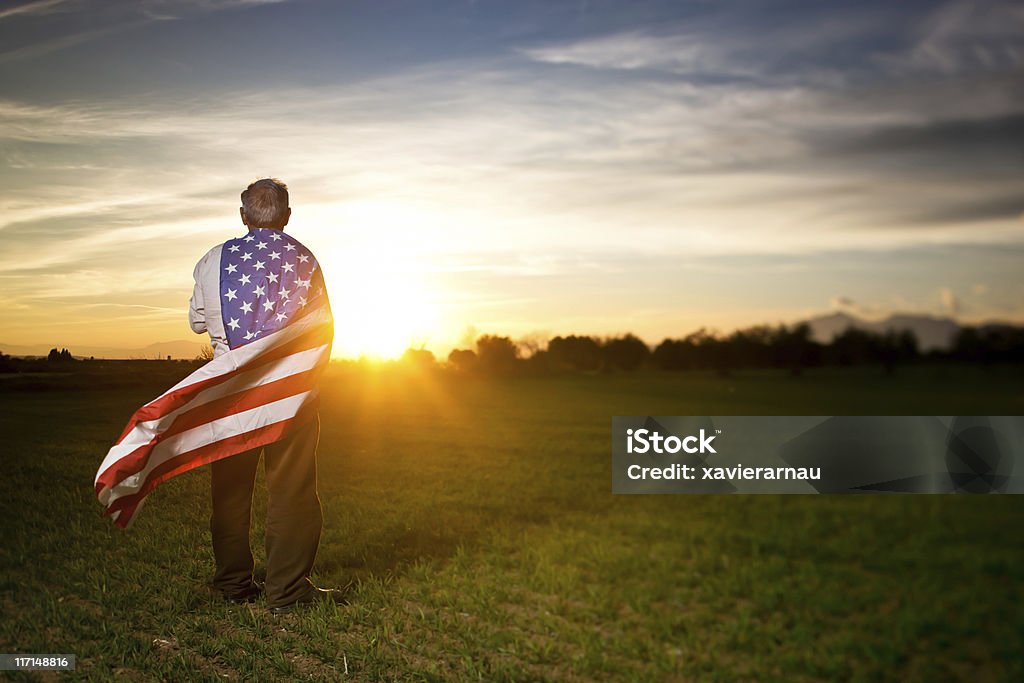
(209, 432)
(122, 511)
(272, 347)
(135, 461)
(145, 432)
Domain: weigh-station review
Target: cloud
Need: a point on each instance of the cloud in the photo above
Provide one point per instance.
(634, 50)
(845, 304)
(29, 8)
(755, 44)
(964, 36)
(114, 18)
(1006, 208)
(956, 135)
(45, 47)
(949, 300)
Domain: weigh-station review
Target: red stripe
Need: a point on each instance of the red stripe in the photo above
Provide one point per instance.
(159, 407)
(203, 455)
(248, 399)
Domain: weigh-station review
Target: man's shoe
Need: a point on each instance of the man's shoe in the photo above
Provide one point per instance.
(245, 597)
(314, 596)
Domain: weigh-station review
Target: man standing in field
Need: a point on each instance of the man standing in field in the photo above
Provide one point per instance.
(242, 288)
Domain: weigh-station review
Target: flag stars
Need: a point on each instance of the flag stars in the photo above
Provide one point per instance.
(267, 275)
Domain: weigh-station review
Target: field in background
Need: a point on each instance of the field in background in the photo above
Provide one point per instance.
(476, 517)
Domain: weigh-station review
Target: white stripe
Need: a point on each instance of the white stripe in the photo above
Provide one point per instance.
(146, 431)
(211, 432)
(236, 358)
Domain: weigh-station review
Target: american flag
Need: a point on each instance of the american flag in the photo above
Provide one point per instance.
(279, 327)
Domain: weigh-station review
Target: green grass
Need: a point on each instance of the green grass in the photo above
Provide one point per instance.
(477, 520)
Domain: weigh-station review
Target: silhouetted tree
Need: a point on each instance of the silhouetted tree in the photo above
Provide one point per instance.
(794, 348)
(532, 344)
(539, 363)
(625, 353)
(852, 347)
(575, 353)
(62, 356)
(673, 354)
(968, 345)
(462, 359)
(989, 344)
(496, 354)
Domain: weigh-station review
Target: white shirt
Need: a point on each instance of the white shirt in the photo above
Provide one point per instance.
(204, 307)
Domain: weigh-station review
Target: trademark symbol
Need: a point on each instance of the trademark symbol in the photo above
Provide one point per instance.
(718, 431)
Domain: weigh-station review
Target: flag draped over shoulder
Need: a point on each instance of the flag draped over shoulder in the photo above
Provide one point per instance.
(278, 321)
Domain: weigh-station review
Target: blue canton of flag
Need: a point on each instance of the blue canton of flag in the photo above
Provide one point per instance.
(267, 279)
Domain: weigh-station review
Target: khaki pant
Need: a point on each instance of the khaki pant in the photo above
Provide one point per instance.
(294, 517)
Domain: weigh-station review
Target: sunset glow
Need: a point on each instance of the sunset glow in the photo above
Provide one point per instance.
(517, 169)
(381, 295)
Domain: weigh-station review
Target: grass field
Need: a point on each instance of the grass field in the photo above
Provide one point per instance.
(476, 517)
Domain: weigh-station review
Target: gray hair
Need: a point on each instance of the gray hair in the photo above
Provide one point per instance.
(265, 202)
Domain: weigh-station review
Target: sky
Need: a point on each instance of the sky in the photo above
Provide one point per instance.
(522, 168)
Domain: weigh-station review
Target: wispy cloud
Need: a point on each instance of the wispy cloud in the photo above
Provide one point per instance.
(114, 18)
(964, 36)
(37, 7)
(45, 47)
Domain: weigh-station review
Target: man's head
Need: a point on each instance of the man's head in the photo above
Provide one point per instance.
(265, 205)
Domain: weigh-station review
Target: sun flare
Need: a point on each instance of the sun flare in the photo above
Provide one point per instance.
(380, 292)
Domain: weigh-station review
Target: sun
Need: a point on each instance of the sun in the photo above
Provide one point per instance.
(381, 295)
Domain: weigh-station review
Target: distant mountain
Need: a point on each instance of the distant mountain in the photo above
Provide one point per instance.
(931, 332)
(174, 349)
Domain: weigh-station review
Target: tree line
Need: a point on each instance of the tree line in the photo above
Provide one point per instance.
(790, 348)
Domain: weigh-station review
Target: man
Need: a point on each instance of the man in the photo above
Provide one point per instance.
(294, 517)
